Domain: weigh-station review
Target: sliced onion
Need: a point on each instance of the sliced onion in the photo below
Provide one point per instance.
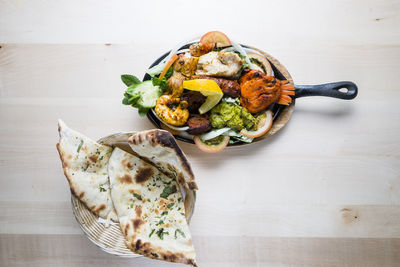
(213, 133)
(239, 136)
(157, 69)
(252, 66)
(240, 49)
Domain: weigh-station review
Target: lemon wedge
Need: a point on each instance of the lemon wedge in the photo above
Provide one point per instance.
(208, 88)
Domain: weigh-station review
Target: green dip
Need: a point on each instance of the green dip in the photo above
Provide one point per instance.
(232, 116)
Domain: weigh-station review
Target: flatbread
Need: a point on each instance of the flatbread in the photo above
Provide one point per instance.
(150, 208)
(160, 148)
(85, 164)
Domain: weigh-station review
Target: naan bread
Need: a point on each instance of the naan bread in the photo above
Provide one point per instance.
(150, 208)
(160, 148)
(85, 165)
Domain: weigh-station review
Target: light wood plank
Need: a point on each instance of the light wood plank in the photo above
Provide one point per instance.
(127, 21)
(244, 215)
(67, 250)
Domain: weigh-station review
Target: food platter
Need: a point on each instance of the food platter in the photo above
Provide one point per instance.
(281, 113)
(284, 112)
(110, 239)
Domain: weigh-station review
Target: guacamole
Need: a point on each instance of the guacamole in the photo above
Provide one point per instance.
(232, 116)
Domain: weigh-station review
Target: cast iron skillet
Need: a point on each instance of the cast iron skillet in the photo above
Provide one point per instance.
(328, 89)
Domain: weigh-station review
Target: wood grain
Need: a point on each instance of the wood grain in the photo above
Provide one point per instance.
(49, 250)
(323, 191)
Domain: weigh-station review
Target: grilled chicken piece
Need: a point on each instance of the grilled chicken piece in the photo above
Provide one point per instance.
(219, 64)
(230, 88)
(200, 49)
(186, 64)
(258, 91)
(175, 84)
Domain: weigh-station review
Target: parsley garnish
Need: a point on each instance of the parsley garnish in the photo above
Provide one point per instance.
(79, 147)
(161, 233)
(164, 213)
(102, 189)
(168, 190)
(170, 205)
(148, 200)
(160, 222)
(181, 232)
(137, 196)
(152, 232)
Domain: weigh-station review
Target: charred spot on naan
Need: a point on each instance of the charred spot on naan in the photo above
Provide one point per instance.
(99, 208)
(143, 175)
(94, 158)
(127, 164)
(138, 211)
(137, 223)
(192, 185)
(181, 179)
(126, 229)
(126, 179)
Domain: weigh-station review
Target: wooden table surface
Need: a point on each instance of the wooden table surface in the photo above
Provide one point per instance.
(325, 191)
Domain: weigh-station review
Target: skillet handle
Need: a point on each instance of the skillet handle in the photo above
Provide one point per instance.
(328, 89)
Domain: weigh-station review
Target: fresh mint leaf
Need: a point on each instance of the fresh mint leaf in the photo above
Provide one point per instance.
(129, 80)
(143, 111)
(162, 83)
